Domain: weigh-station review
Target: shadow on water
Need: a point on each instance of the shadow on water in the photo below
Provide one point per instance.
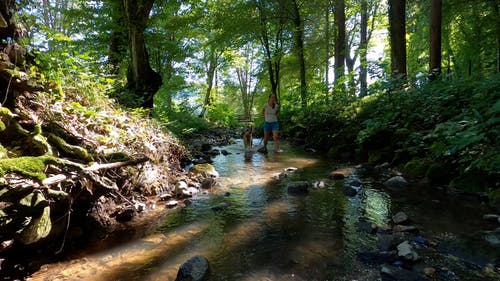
(262, 232)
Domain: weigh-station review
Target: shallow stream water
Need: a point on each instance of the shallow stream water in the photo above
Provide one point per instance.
(261, 232)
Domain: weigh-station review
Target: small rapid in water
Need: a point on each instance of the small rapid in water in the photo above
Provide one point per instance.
(250, 228)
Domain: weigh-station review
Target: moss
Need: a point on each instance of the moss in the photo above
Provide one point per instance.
(73, 150)
(469, 182)
(416, 167)
(2, 126)
(4, 111)
(3, 152)
(28, 166)
(494, 197)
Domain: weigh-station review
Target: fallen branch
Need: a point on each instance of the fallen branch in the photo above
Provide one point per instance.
(95, 167)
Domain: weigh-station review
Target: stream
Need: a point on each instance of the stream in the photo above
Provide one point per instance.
(250, 228)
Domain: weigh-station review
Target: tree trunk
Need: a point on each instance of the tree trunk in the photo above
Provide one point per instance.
(496, 11)
(273, 54)
(327, 49)
(211, 68)
(340, 40)
(299, 45)
(397, 31)
(435, 39)
(363, 73)
(142, 80)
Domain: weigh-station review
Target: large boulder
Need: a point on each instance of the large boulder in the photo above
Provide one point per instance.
(194, 269)
(206, 170)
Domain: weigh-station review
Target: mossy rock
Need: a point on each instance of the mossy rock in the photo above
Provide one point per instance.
(470, 182)
(68, 149)
(39, 225)
(379, 156)
(494, 197)
(29, 166)
(206, 170)
(416, 167)
(439, 173)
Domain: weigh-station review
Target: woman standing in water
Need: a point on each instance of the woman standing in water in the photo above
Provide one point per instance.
(270, 113)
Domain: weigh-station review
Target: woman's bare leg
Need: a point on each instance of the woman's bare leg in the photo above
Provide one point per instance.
(276, 142)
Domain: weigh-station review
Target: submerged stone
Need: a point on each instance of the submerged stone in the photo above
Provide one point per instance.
(194, 269)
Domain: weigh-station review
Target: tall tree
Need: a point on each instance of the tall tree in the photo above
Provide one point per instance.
(340, 39)
(397, 31)
(245, 71)
(142, 80)
(271, 31)
(298, 35)
(496, 13)
(327, 47)
(363, 45)
(212, 61)
(435, 39)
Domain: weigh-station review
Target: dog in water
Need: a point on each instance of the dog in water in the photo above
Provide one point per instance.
(248, 137)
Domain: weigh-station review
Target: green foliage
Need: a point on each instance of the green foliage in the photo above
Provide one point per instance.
(453, 122)
(183, 122)
(222, 115)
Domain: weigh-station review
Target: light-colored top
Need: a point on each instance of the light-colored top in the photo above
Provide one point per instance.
(271, 114)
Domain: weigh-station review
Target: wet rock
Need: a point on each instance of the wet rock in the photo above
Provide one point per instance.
(399, 218)
(225, 152)
(388, 242)
(405, 250)
(336, 176)
(6, 245)
(350, 190)
(492, 237)
(290, 170)
(319, 184)
(367, 227)
(172, 203)
(125, 215)
(208, 183)
(445, 274)
(279, 176)
(397, 182)
(206, 170)
(491, 217)
(378, 258)
(298, 187)
(220, 207)
(206, 147)
(310, 150)
(365, 170)
(392, 273)
(355, 182)
(194, 269)
(213, 152)
(405, 228)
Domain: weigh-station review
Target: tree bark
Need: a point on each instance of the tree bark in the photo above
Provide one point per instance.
(211, 68)
(299, 46)
(435, 39)
(496, 11)
(363, 73)
(397, 31)
(327, 49)
(340, 40)
(274, 53)
(141, 78)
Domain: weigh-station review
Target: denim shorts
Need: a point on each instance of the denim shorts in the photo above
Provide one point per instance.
(271, 126)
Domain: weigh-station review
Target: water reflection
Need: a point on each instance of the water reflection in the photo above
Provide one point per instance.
(261, 233)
